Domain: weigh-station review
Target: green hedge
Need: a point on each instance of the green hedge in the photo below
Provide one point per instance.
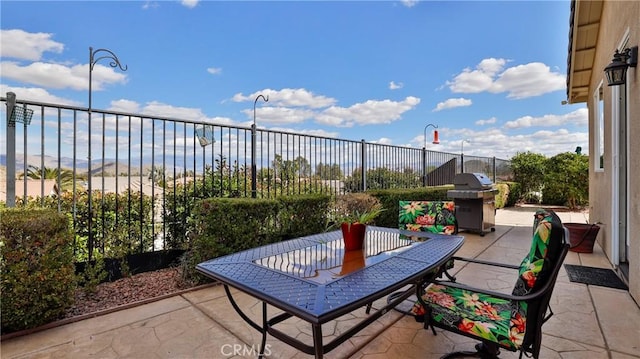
(221, 226)
(36, 251)
(302, 215)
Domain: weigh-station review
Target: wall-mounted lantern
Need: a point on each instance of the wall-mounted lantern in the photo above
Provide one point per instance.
(616, 71)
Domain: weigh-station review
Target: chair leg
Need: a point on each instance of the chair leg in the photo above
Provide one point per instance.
(483, 351)
(404, 310)
(449, 276)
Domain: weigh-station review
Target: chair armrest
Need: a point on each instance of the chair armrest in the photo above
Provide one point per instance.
(479, 261)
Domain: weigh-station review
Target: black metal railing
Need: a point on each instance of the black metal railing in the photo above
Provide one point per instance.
(146, 170)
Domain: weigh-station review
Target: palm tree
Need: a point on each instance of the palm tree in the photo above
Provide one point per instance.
(66, 176)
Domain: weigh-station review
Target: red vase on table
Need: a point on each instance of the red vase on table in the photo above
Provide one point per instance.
(353, 235)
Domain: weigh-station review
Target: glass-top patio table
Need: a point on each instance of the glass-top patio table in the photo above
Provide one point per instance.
(313, 278)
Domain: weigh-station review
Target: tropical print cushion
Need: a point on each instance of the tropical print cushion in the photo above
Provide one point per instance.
(533, 264)
(427, 216)
(481, 315)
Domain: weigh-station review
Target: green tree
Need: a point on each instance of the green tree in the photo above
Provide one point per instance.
(529, 170)
(567, 180)
(304, 167)
(287, 170)
(326, 171)
(383, 178)
(157, 175)
(66, 176)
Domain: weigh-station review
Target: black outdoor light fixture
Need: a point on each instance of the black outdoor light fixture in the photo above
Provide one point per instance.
(616, 71)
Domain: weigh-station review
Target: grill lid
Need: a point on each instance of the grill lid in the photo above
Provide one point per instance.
(472, 181)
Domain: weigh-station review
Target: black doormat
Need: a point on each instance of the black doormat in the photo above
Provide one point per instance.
(595, 276)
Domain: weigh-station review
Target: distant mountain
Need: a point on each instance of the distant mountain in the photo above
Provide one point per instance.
(81, 164)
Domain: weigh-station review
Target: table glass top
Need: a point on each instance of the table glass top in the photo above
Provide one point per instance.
(328, 261)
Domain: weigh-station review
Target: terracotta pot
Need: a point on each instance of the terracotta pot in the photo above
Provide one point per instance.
(352, 261)
(353, 235)
(582, 236)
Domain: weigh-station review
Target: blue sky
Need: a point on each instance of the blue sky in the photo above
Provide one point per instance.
(492, 73)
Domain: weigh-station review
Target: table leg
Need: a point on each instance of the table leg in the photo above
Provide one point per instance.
(262, 329)
(317, 340)
(265, 328)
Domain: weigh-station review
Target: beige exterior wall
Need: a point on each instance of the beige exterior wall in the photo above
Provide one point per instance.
(618, 19)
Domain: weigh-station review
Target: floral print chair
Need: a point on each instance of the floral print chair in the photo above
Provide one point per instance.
(499, 320)
(425, 216)
(428, 216)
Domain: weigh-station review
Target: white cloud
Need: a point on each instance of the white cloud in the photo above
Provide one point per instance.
(37, 95)
(288, 97)
(452, 103)
(383, 141)
(150, 5)
(155, 108)
(489, 121)
(496, 142)
(578, 117)
(409, 3)
(279, 115)
(367, 113)
(189, 3)
(123, 105)
(530, 80)
(317, 132)
(214, 70)
(395, 86)
(491, 66)
(478, 80)
(22, 45)
(522, 81)
(58, 76)
(278, 109)
(19, 44)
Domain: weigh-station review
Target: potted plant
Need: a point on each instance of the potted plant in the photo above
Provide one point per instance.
(354, 228)
(353, 213)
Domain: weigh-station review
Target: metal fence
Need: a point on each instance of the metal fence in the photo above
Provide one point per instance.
(134, 171)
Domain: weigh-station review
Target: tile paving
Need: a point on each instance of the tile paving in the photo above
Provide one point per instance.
(589, 321)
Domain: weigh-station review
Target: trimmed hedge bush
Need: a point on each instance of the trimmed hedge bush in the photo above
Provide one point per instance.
(302, 215)
(38, 282)
(221, 226)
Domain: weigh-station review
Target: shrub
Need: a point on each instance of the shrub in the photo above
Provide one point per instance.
(503, 195)
(37, 267)
(514, 193)
(220, 226)
(529, 170)
(354, 207)
(121, 223)
(302, 214)
(567, 180)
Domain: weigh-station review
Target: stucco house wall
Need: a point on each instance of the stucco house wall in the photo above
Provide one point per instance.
(618, 19)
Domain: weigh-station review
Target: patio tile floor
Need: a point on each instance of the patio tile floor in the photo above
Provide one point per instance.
(589, 321)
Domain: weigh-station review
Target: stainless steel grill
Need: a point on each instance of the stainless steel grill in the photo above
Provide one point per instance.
(474, 197)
